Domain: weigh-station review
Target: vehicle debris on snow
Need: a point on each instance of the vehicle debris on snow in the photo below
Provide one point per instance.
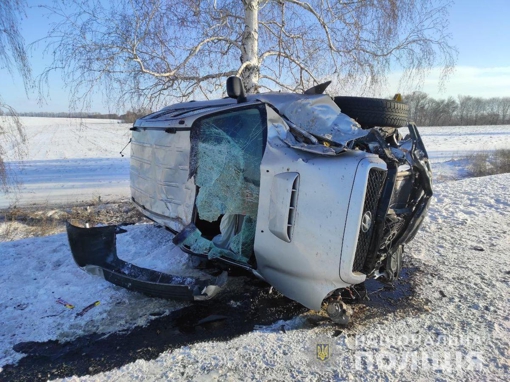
(65, 303)
(311, 193)
(87, 308)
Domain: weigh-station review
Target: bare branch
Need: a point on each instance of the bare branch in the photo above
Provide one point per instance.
(13, 57)
(193, 53)
(156, 51)
(290, 58)
(319, 19)
(280, 84)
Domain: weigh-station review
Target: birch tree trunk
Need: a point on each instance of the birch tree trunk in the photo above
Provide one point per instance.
(250, 68)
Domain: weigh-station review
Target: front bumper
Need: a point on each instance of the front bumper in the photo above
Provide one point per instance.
(94, 249)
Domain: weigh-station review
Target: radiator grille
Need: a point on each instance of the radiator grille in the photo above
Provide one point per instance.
(374, 187)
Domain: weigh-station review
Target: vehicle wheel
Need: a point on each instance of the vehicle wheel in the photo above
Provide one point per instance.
(371, 112)
(338, 312)
(393, 265)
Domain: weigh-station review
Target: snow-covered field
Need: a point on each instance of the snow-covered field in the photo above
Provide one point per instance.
(463, 283)
(448, 146)
(78, 160)
(71, 161)
(41, 270)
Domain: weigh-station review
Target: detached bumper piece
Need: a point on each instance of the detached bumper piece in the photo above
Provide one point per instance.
(95, 250)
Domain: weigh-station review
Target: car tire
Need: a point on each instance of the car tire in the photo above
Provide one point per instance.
(371, 112)
(393, 265)
(339, 312)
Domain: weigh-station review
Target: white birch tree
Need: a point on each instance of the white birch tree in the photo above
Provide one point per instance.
(151, 52)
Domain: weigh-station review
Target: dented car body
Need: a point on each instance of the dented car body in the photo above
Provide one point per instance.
(283, 185)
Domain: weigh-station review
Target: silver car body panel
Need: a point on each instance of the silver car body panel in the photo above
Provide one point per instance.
(323, 208)
(318, 115)
(159, 177)
(160, 159)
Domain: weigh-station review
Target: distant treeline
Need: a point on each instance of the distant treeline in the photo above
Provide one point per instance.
(130, 116)
(423, 109)
(462, 111)
(49, 114)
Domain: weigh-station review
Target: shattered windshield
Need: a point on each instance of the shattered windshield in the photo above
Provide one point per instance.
(226, 153)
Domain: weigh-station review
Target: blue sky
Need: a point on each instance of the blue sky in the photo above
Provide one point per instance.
(480, 31)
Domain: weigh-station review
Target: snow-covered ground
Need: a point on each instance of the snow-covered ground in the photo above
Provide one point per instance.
(462, 251)
(38, 271)
(462, 332)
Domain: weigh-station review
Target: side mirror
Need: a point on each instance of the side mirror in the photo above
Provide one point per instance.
(235, 89)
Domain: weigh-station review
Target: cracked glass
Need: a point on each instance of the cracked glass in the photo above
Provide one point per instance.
(227, 150)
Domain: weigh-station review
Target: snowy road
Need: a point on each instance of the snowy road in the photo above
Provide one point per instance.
(69, 181)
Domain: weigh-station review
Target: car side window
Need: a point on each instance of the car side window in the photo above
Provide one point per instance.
(227, 150)
(239, 134)
(243, 133)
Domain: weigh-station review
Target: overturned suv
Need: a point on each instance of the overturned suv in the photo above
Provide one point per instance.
(311, 193)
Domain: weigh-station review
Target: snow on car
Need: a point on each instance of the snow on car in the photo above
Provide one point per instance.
(284, 185)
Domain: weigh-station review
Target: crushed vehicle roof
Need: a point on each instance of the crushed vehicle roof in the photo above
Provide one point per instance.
(315, 114)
